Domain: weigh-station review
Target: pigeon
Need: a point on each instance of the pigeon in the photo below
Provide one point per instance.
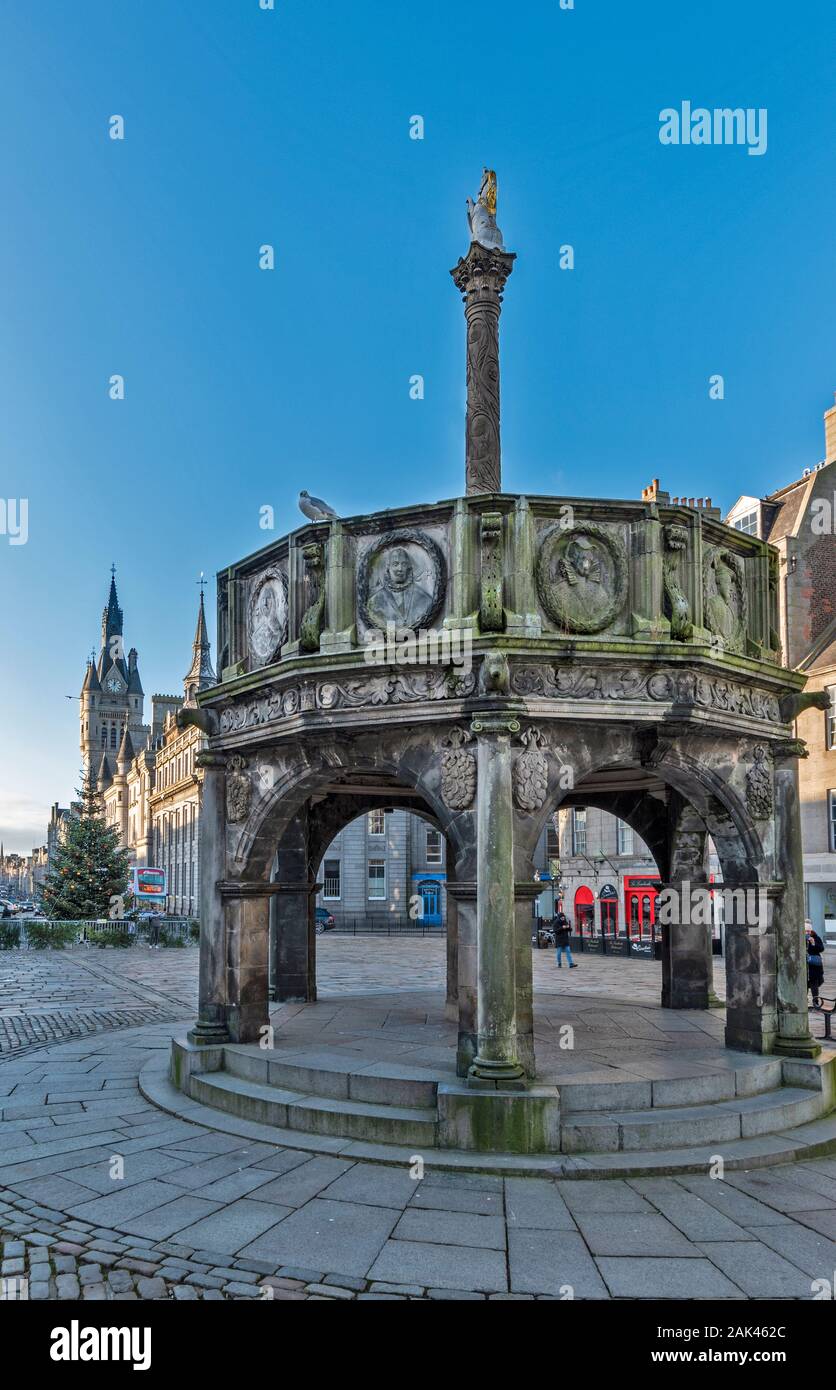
(314, 508)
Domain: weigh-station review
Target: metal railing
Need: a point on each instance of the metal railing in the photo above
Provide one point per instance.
(384, 926)
(177, 928)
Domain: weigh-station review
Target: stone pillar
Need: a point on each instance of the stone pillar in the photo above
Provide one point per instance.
(687, 963)
(794, 1035)
(293, 965)
(481, 276)
(497, 1061)
(524, 895)
(751, 1014)
(340, 633)
(247, 916)
(211, 1025)
(451, 1006)
(463, 893)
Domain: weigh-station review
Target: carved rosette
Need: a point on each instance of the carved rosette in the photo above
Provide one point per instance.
(759, 802)
(531, 772)
(581, 575)
(238, 789)
(458, 771)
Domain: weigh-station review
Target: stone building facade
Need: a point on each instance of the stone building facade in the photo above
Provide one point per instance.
(148, 775)
(388, 864)
(800, 521)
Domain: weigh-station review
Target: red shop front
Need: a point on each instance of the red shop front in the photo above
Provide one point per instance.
(640, 893)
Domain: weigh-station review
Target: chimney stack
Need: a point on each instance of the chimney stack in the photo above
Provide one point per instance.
(830, 434)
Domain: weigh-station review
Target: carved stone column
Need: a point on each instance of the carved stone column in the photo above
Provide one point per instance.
(524, 895)
(793, 1018)
(451, 1005)
(497, 1059)
(481, 276)
(211, 1025)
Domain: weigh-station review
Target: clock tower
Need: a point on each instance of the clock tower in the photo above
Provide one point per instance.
(112, 699)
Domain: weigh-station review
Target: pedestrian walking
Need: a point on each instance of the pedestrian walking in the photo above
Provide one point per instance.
(815, 961)
(562, 936)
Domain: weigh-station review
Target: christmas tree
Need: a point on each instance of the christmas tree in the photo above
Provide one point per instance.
(89, 869)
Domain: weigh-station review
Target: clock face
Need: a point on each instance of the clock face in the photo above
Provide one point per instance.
(114, 685)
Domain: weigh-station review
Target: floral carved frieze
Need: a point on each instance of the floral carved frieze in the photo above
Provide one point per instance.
(368, 692)
(631, 683)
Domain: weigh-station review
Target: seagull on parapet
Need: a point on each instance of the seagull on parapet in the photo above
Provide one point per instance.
(314, 508)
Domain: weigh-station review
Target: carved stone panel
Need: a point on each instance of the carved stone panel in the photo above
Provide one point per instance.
(458, 772)
(531, 772)
(582, 577)
(267, 616)
(402, 579)
(725, 605)
(238, 790)
(677, 607)
(759, 786)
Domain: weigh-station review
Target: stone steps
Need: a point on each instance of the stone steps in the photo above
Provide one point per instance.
(669, 1127)
(335, 1078)
(285, 1109)
(802, 1143)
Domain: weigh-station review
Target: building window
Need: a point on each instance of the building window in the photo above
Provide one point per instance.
(331, 878)
(433, 846)
(831, 796)
(579, 830)
(748, 523)
(830, 718)
(552, 840)
(113, 735)
(104, 738)
(377, 878)
(625, 838)
(377, 822)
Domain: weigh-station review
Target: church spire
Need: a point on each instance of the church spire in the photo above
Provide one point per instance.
(112, 625)
(200, 675)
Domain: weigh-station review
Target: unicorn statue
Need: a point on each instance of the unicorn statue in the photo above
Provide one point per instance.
(481, 215)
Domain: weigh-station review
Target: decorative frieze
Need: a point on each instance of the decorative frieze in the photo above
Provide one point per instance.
(633, 683)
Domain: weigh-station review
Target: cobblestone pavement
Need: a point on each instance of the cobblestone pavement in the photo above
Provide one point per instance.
(103, 1196)
(50, 995)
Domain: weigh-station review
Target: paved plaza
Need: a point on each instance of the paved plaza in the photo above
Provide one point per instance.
(102, 1195)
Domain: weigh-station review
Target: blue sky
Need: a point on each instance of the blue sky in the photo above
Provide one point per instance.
(291, 127)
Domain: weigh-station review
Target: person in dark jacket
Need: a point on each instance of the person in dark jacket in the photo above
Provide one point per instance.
(562, 936)
(815, 961)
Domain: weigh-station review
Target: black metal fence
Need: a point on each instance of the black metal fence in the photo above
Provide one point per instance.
(382, 926)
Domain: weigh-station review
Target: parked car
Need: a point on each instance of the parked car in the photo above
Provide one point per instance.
(324, 921)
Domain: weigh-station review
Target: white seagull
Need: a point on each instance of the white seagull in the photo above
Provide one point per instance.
(314, 508)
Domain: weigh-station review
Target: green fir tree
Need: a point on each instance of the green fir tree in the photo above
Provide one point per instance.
(89, 869)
